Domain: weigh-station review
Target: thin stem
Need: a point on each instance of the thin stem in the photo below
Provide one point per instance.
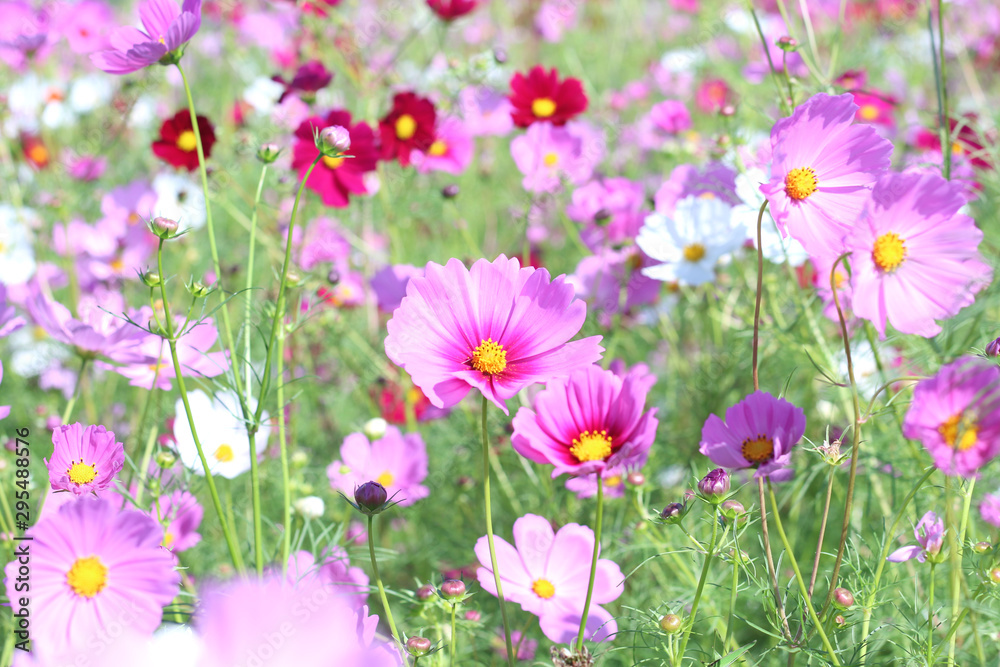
(701, 584)
(286, 489)
(822, 530)
(593, 562)
(956, 565)
(930, 618)
(798, 578)
(258, 532)
(249, 301)
(778, 601)
(767, 53)
(451, 649)
(68, 411)
(378, 582)
(943, 99)
(760, 289)
(734, 587)
(489, 536)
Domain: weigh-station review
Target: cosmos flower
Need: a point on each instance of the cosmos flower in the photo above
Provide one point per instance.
(497, 328)
(409, 125)
(193, 345)
(600, 280)
(309, 78)
(541, 96)
(167, 29)
(915, 258)
(989, 509)
(823, 168)
(84, 459)
(486, 111)
(610, 210)
(94, 565)
(10, 321)
(713, 181)
(335, 179)
(180, 514)
(181, 199)
(177, 145)
(4, 409)
(451, 151)
(548, 155)
(956, 415)
(85, 25)
(759, 432)
(333, 569)
(547, 573)
(930, 537)
(396, 461)
(17, 251)
(613, 480)
(449, 10)
(389, 285)
(221, 431)
(587, 422)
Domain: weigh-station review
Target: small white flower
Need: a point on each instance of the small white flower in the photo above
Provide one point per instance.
(17, 254)
(32, 351)
(776, 247)
(311, 507)
(181, 199)
(375, 428)
(90, 92)
(263, 94)
(221, 431)
(692, 242)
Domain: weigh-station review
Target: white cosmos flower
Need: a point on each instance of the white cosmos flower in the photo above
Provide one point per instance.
(90, 92)
(221, 431)
(180, 199)
(691, 242)
(17, 254)
(263, 94)
(776, 247)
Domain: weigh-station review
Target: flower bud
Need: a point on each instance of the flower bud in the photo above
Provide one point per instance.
(843, 598)
(995, 575)
(453, 589)
(733, 509)
(840, 621)
(728, 111)
(268, 153)
(165, 459)
(500, 55)
(981, 547)
(425, 592)
(198, 289)
(299, 459)
(670, 623)
(993, 349)
(673, 513)
(714, 485)
(293, 278)
(450, 191)
(473, 615)
(787, 44)
(371, 497)
(333, 141)
(418, 646)
(636, 478)
(151, 279)
(163, 227)
(602, 216)
(311, 507)
(374, 429)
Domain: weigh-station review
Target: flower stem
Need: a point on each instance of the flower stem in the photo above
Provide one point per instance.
(451, 650)
(250, 262)
(286, 538)
(930, 618)
(760, 289)
(822, 530)
(593, 562)
(701, 584)
(489, 536)
(734, 588)
(378, 582)
(798, 577)
(68, 411)
(955, 558)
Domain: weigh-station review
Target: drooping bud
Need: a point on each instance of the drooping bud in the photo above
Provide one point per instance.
(268, 153)
(843, 598)
(453, 589)
(418, 646)
(670, 623)
(371, 497)
(714, 486)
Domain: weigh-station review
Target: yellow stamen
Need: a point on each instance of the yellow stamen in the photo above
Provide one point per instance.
(332, 162)
(550, 159)
(800, 183)
(224, 454)
(889, 251)
(186, 141)
(489, 358)
(39, 154)
(959, 432)
(385, 479)
(614, 480)
(406, 127)
(591, 446)
(88, 576)
(81, 473)
(543, 107)
(868, 112)
(438, 148)
(543, 588)
(759, 449)
(694, 252)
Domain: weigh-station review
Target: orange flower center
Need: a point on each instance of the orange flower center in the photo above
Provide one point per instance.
(550, 159)
(438, 148)
(800, 183)
(591, 446)
(332, 162)
(694, 252)
(959, 432)
(868, 112)
(543, 107)
(406, 127)
(489, 358)
(759, 449)
(889, 251)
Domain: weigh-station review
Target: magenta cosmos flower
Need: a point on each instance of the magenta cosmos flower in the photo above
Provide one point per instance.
(547, 573)
(587, 422)
(180, 514)
(822, 171)
(914, 257)
(93, 566)
(497, 328)
(759, 432)
(989, 509)
(167, 30)
(84, 459)
(956, 415)
(930, 537)
(396, 461)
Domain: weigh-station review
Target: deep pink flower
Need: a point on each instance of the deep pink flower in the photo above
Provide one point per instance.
(449, 10)
(930, 537)
(84, 459)
(712, 95)
(823, 168)
(336, 179)
(497, 328)
(180, 515)
(956, 415)
(23, 34)
(540, 96)
(875, 108)
(914, 257)
(759, 432)
(670, 116)
(396, 461)
(587, 422)
(167, 29)
(85, 25)
(547, 155)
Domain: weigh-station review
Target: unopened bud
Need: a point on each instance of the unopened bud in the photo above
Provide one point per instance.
(714, 486)
(453, 589)
(787, 44)
(843, 598)
(418, 646)
(165, 459)
(732, 509)
(198, 289)
(268, 153)
(371, 497)
(602, 216)
(473, 615)
(163, 227)
(728, 110)
(375, 428)
(636, 478)
(981, 547)
(993, 349)
(670, 623)
(673, 513)
(995, 575)
(333, 141)
(500, 55)
(450, 191)
(310, 507)
(425, 592)
(151, 279)
(840, 621)
(293, 278)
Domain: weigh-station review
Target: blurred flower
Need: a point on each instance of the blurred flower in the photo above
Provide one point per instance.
(554, 17)
(167, 30)
(585, 486)
(4, 409)
(449, 10)
(930, 536)
(87, 168)
(541, 96)
(17, 251)
(177, 145)
(396, 461)
(875, 108)
(333, 569)
(713, 181)
(84, 459)
(180, 515)
(310, 507)
(521, 320)
(389, 285)
(181, 199)
(610, 210)
(547, 573)
(712, 95)
(989, 509)
(546, 155)
(309, 78)
(992, 348)
(525, 646)
(221, 432)
(409, 125)
(915, 257)
(486, 111)
(451, 151)
(670, 116)
(335, 179)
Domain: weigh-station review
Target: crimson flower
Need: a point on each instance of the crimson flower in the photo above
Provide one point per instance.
(409, 125)
(177, 145)
(335, 179)
(541, 96)
(449, 10)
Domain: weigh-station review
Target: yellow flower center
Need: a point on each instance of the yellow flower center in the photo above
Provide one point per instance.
(800, 183)
(956, 148)
(385, 479)
(550, 159)
(81, 473)
(614, 480)
(406, 127)
(694, 252)
(543, 588)
(959, 432)
(168, 539)
(332, 162)
(868, 112)
(117, 264)
(759, 449)
(489, 358)
(38, 333)
(438, 148)
(591, 446)
(224, 454)
(3, 246)
(186, 141)
(543, 107)
(88, 576)
(706, 195)
(889, 251)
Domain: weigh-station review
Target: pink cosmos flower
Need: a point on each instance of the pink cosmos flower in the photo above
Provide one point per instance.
(956, 415)
(10, 321)
(670, 116)
(193, 347)
(546, 155)
(497, 328)
(610, 210)
(586, 486)
(486, 111)
(547, 573)
(85, 25)
(84, 459)
(930, 536)
(129, 204)
(759, 432)
(389, 285)
(715, 180)
(600, 279)
(914, 257)
(333, 569)
(23, 34)
(823, 168)
(94, 567)
(322, 242)
(4, 409)
(396, 461)
(554, 17)
(451, 151)
(989, 509)
(180, 514)
(587, 422)
(167, 29)
(87, 168)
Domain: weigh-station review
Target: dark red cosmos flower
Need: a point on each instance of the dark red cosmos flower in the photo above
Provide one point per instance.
(965, 141)
(541, 96)
(335, 179)
(449, 10)
(35, 151)
(409, 125)
(391, 400)
(177, 145)
(309, 78)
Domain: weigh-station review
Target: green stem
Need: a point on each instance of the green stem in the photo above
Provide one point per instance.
(930, 618)
(258, 532)
(798, 578)
(378, 582)
(249, 301)
(955, 557)
(943, 83)
(451, 650)
(701, 584)
(734, 588)
(822, 530)
(286, 489)
(68, 411)
(593, 562)
(489, 536)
